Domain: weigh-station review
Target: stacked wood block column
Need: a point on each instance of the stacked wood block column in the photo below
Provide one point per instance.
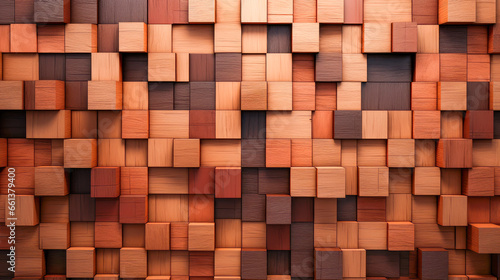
(251, 139)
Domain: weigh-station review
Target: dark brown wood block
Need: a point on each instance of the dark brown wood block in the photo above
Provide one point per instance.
(254, 264)
(477, 39)
(479, 124)
(382, 264)
(201, 67)
(278, 209)
(253, 208)
(425, 11)
(167, 11)
(107, 37)
(76, 95)
(80, 181)
(7, 11)
(432, 263)
(81, 208)
(78, 67)
(274, 181)
(228, 67)
(385, 96)
(328, 67)
(228, 208)
(115, 11)
(201, 263)
(478, 96)
(161, 96)
(346, 208)
(135, 67)
(202, 96)
(84, 11)
(249, 181)
(52, 11)
(328, 263)
(302, 209)
(302, 236)
(278, 262)
(371, 209)
(301, 264)
(55, 261)
(24, 11)
(389, 68)
(404, 264)
(452, 39)
(43, 152)
(495, 264)
(278, 237)
(404, 37)
(12, 124)
(107, 210)
(202, 124)
(202, 180)
(181, 96)
(497, 125)
(52, 66)
(133, 209)
(253, 125)
(105, 182)
(253, 153)
(347, 125)
(279, 38)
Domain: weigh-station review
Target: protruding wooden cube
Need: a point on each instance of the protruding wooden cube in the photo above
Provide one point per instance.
(228, 182)
(278, 209)
(161, 67)
(426, 181)
(432, 263)
(354, 263)
(104, 95)
(305, 37)
(80, 153)
(279, 67)
(228, 124)
(400, 236)
(404, 37)
(373, 181)
(105, 182)
(51, 181)
(80, 38)
(426, 124)
(478, 181)
(80, 262)
(186, 152)
(302, 181)
(106, 67)
(227, 261)
(454, 153)
(45, 95)
(374, 124)
(328, 263)
(376, 37)
(201, 237)
(201, 11)
(157, 236)
(330, 11)
(400, 152)
(54, 236)
(457, 11)
(133, 209)
(331, 182)
(483, 238)
(133, 263)
(280, 96)
(12, 94)
(278, 153)
(133, 36)
(23, 38)
(20, 67)
(135, 124)
(253, 95)
(452, 210)
(253, 11)
(452, 96)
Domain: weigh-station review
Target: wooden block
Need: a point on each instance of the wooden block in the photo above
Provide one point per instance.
(278, 153)
(227, 96)
(157, 236)
(452, 124)
(372, 235)
(133, 209)
(18, 67)
(254, 38)
(253, 235)
(221, 153)
(253, 95)
(301, 152)
(331, 182)
(278, 209)
(279, 67)
(80, 262)
(228, 37)
(477, 38)
(159, 37)
(160, 152)
(254, 11)
(456, 153)
(201, 237)
(433, 262)
(107, 38)
(330, 11)
(481, 238)
(372, 153)
(326, 152)
(279, 38)
(400, 236)
(426, 68)
(106, 67)
(453, 67)
(478, 69)
(353, 12)
(305, 37)
(452, 96)
(326, 96)
(325, 235)
(478, 181)
(54, 236)
(228, 124)
(133, 262)
(374, 124)
(401, 153)
(376, 37)
(192, 39)
(373, 181)
(135, 124)
(254, 263)
(478, 124)
(426, 181)
(111, 152)
(202, 124)
(422, 128)
(135, 95)
(48, 124)
(325, 211)
(348, 125)
(55, 11)
(161, 67)
(325, 62)
(425, 12)
(227, 261)
(50, 181)
(304, 11)
(104, 95)
(354, 263)
(328, 263)
(278, 237)
(80, 153)
(169, 123)
(331, 38)
(279, 96)
(80, 38)
(404, 37)
(453, 11)
(12, 92)
(322, 125)
(23, 38)
(227, 182)
(105, 182)
(50, 39)
(279, 11)
(354, 68)
(186, 152)
(452, 210)
(253, 67)
(347, 235)
(178, 236)
(201, 11)
(133, 37)
(108, 235)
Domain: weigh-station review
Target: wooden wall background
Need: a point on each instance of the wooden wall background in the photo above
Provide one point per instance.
(251, 139)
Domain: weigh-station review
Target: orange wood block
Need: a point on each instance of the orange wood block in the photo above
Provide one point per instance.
(302, 181)
(454, 153)
(426, 124)
(80, 38)
(483, 238)
(133, 36)
(331, 182)
(186, 152)
(478, 68)
(48, 124)
(80, 153)
(426, 181)
(201, 237)
(54, 236)
(5, 38)
(51, 181)
(426, 68)
(453, 67)
(452, 210)
(373, 181)
(457, 11)
(478, 181)
(108, 235)
(400, 236)
(12, 95)
(104, 95)
(278, 153)
(23, 38)
(51, 38)
(133, 263)
(48, 95)
(157, 236)
(401, 153)
(80, 262)
(20, 67)
(322, 125)
(423, 96)
(404, 37)
(133, 180)
(135, 124)
(301, 152)
(303, 96)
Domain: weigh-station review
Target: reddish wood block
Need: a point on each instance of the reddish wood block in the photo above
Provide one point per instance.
(371, 209)
(133, 209)
(25, 181)
(322, 125)
(303, 67)
(201, 264)
(135, 124)
(404, 37)
(278, 237)
(400, 236)
(202, 180)
(21, 152)
(426, 124)
(107, 210)
(201, 208)
(3, 152)
(478, 68)
(478, 181)
(134, 180)
(426, 68)
(157, 236)
(478, 124)
(326, 96)
(80, 262)
(105, 182)
(425, 11)
(164, 12)
(278, 153)
(278, 209)
(483, 238)
(50, 38)
(477, 39)
(227, 182)
(453, 67)
(5, 38)
(51, 181)
(478, 209)
(23, 38)
(108, 235)
(303, 96)
(353, 12)
(202, 124)
(454, 153)
(495, 210)
(179, 236)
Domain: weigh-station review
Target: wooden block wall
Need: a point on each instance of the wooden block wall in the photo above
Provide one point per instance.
(251, 139)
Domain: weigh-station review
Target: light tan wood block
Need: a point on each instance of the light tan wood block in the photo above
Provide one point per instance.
(201, 11)
(133, 37)
(331, 182)
(161, 67)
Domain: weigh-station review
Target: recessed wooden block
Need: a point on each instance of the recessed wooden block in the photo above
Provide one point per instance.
(354, 263)
(453, 67)
(331, 182)
(433, 262)
(404, 37)
(227, 261)
(80, 153)
(354, 67)
(80, 262)
(105, 182)
(305, 37)
(372, 235)
(228, 124)
(54, 236)
(12, 92)
(373, 181)
(159, 37)
(53, 11)
(457, 11)
(454, 153)
(253, 95)
(302, 182)
(478, 68)
(133, 263)
(161, 67)
(133, 37)
(426, 124)
(348, 125)
(201, 11)
(452, 96)
(108, 235)
(50, 39)
(278, 153)
(452, 210)
(253, 263)
(482, 238)
(478, 181)
(201, 237)
(328, 263)
(478, 124)
(400, 236)
(135, 124)
(424, 96)
(220, 153)
(51, 181)
(20, 67)
(376, 37)
(227, 182)
(157, 236)
(169, 123)
(104, 95)
(278, 209)
(426, 181)
(400, 153)
(328, 67)
(133, 209)
(23, 38)
(46, 95)
(80, 38)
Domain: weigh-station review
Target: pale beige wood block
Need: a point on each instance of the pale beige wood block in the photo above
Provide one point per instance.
(133, 37)
(354, 67)
(227, 37)
(227, 95)
(228, 11)
(253, 67)
(279, 96)
(80, 38)
(221, 153)
(253, 11)
(169, 124)
(182, 67)
(201, 11)
(303, 181)
(305, 37)
(254, 38)
(330, 11)
(160, 152)
(278, 124)
(486, 11)
(279, 11)
(330, 38)
(351, 38)
(161, 67)
(135, 95)
(427, 38)
(192, 38)
(253, 95)
(106, 67)
(279, 67)
(452, 96)
(159, 38)
(104, 95)
(374, 124)
(228, 124)
(387, 11)
(377, 37)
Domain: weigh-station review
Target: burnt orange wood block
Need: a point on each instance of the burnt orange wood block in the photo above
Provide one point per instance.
(483, 238)
(452, 210)
(50, 38)
(47, 95)
(135, 124)
(134, 180)
(186, 152)
(201, 237)
(454, 153)
(4, 38)
(322, 124)
(12, 94)
(478, 68)
(373, 181)
(303, 95)
(477, 39)
(80, 262)
(404, 37)
(3, 152)
(105, 182)
(133, 263)
(478, 181)
(453, 67)
(54, 236)
(25, 181)
(278, 153)
(108, 235)
(21, 152)
(426, 181)
(133, 209)
(426, 67)
(326, 96)
(178, 236)
(104, 95)
(400, 236)
(48, 124)
(426, 124)
(479, 124)
(23, 38)
(228, 182)
(157, 236)
(80, 153)
(51, 181)
(478, 209)
(201, 208)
